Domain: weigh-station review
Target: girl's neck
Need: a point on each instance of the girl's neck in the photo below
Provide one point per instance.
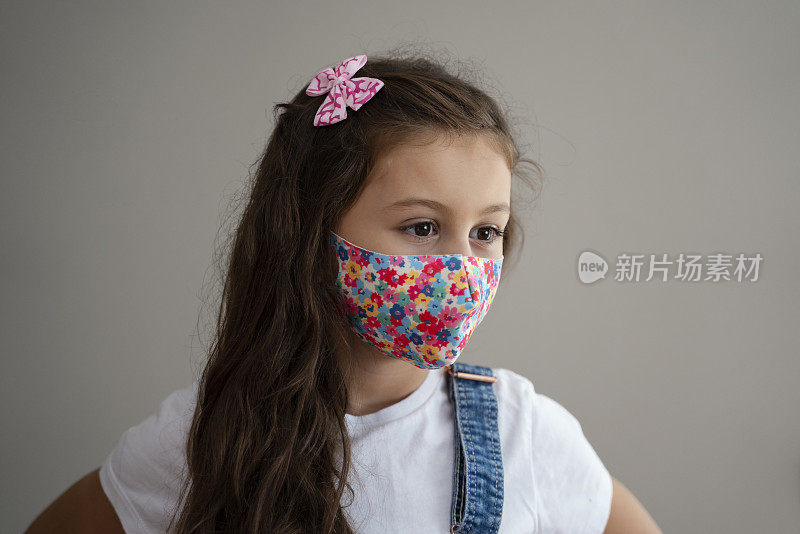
(375, 380)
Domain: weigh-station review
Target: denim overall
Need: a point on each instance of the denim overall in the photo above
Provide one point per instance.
(477, 504)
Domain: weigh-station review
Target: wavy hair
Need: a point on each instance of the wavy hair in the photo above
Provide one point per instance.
(267, 449)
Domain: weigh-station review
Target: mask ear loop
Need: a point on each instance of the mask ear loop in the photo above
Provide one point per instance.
(470, 376)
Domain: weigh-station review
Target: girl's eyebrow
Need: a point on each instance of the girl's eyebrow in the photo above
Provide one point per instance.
(500, 207)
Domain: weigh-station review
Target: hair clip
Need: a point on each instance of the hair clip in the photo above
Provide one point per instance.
(343, 90)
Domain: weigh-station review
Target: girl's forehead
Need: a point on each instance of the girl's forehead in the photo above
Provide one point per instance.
(463, 163)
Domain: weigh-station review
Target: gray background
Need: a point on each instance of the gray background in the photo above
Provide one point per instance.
(128, 128)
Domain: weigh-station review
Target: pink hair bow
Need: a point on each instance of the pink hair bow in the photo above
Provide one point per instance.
(343, 90)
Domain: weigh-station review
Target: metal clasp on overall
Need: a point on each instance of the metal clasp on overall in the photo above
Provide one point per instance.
(471, 376)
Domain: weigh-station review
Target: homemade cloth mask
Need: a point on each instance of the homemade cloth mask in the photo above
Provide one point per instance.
(419, 308)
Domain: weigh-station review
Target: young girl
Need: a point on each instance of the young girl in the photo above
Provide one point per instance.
(370, 249)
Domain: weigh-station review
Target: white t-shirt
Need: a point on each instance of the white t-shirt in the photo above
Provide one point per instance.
(402, 471)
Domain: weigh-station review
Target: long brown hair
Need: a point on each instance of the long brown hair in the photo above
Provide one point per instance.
(268, 449)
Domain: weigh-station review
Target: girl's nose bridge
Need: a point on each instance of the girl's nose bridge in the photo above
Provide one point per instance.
(461, 244)
(462, 248)
(457, 245)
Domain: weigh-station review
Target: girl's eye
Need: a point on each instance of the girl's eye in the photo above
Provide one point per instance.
(489, 232)
(424, 229)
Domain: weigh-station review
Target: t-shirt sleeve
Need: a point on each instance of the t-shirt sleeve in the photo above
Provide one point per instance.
(142, 476)
(575, 488)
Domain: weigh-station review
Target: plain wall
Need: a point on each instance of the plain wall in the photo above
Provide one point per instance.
(127, 128)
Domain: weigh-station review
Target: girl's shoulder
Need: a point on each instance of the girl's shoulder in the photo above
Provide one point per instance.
(512, 382)
(143, 475)
(544, 444)
(516, 391)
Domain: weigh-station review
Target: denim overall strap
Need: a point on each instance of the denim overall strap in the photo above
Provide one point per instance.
(477, 504)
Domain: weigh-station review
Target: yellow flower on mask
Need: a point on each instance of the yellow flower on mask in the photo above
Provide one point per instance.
(422, 300)
(460, 279)
(370, 307)
(352, 269)
(411, 277)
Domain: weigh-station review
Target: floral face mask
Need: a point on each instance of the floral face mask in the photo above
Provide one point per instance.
(418, 308)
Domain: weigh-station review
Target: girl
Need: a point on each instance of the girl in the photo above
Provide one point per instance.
(370, 249)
